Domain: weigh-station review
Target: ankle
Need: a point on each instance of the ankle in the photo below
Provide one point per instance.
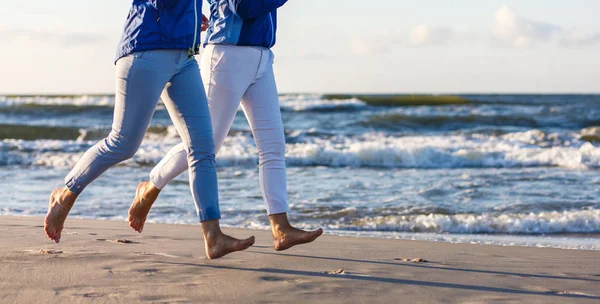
(211, 230)
(280, 230)
(279, 223)
(149, 190)
(66, 196)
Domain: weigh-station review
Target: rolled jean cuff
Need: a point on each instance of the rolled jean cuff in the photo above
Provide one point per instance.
(209, 214)
(158, 181)
(73, 187)
(278, 209)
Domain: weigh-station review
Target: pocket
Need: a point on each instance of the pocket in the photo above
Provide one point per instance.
(216, 58)
(139, 55)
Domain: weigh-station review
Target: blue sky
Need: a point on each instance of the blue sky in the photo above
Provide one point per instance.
(393, 46)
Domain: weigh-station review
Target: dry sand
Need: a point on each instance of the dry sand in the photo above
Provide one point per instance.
(166, 264)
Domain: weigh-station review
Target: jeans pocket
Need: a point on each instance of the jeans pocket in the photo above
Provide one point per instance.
(216, 58)
(139, 55)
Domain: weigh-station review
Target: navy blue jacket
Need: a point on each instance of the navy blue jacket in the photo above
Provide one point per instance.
(162, 24)
(243, 22)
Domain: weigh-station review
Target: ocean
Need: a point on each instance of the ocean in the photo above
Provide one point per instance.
(515, 170)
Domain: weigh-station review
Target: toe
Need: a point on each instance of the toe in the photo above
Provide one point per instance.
(49, 233)
(245, 244)
(315, 234)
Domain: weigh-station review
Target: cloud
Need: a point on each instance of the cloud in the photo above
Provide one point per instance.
(576, 38)
(383, 42)
(58, 37)
(376, 45)
(360, 46)
(512, 30)
(424, 35)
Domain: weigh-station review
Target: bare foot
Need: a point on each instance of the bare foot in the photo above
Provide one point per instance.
(145, 195)
(61, 201)
(222, 244)
(218, 244)
(285, 238)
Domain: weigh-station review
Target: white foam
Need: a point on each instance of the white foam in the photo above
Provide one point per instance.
(290, 102)
(300, 104)
(83, 100)
(369, 150)
(440, 152)
(560, 242)
(575, 221)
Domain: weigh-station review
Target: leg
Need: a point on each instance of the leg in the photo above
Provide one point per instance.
(223, 101)
(186, 102)
(261, 106)
(138, 89)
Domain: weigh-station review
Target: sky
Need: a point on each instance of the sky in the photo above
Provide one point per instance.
(336, 46)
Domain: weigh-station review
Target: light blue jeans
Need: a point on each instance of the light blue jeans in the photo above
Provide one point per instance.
(142, 79)
(234, 74)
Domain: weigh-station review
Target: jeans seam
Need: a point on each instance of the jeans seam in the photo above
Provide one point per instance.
(98, 155)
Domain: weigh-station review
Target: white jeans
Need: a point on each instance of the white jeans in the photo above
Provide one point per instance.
(232, 74)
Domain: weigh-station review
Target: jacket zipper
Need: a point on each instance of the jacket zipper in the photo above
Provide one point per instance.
(192, 50)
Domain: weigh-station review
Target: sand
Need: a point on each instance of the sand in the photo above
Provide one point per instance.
(106, 262)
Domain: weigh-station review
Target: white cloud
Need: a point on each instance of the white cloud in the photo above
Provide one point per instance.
(512, 30)
(379, 43)
(509, 29)
(424, 35)
(59, 37)
(360, 46)
(383, 42)
(576, 38)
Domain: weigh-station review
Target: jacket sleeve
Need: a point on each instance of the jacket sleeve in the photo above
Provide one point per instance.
(249, 9)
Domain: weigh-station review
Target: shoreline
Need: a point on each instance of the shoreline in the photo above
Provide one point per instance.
(566, 241)
(166, 264)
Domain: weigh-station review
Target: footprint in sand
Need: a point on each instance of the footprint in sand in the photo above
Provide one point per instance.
(339, 271)
(124, 241)
(344, 272)
(413, 260)
(571, 293)
(120, 241)
(157, 253)
(148, 271)
(50, 251)
(279, 279)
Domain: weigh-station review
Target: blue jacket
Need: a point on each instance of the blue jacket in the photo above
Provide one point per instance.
(243, 22)
(162, 24)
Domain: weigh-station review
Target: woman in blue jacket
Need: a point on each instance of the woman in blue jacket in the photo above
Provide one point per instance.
(155, 60)
(237, 65)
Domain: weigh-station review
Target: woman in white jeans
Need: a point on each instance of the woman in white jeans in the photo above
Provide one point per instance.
(155, 60)
(237, 66)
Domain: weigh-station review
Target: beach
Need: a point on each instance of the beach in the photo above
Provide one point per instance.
(106, 262)
(491, 169)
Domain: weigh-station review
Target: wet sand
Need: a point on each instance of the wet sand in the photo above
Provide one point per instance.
(106, 262)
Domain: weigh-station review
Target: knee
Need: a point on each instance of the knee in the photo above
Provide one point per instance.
(121, 147)
(200, 158)
(272, 154)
